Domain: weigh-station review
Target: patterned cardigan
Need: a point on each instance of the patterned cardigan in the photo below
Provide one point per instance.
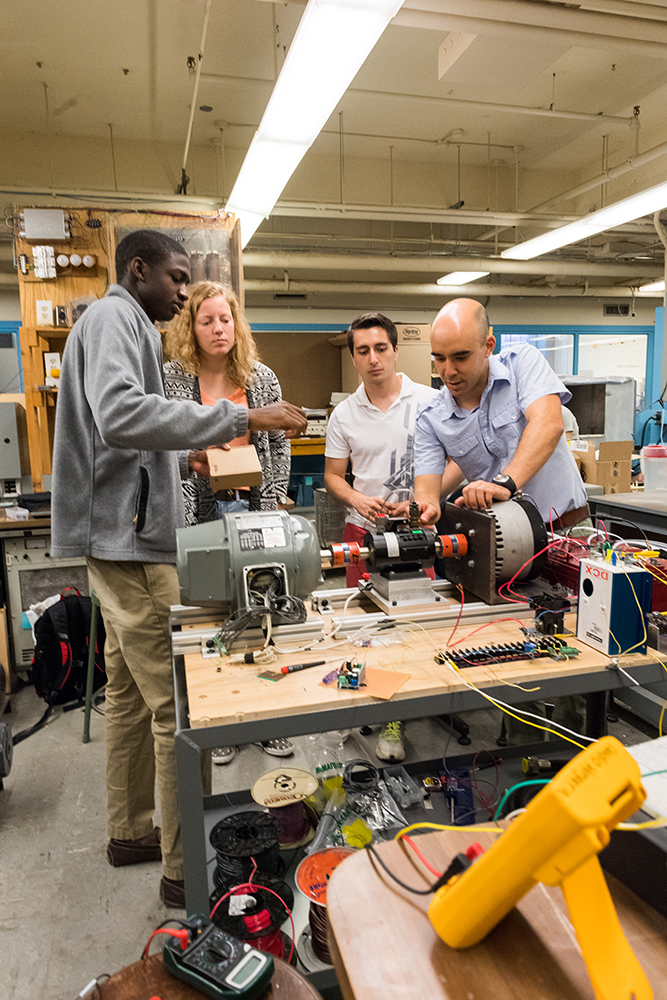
(272, 447)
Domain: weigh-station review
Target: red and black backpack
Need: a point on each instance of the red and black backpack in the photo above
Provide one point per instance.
(60, 661)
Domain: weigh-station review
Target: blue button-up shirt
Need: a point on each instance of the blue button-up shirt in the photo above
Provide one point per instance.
(483, 441)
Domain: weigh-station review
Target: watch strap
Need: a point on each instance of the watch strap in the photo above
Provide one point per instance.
(507, 483)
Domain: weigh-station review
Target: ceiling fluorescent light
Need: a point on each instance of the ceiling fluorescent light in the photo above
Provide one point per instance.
(627, 210)
(461, 277)
(331, 44)
(655, 286)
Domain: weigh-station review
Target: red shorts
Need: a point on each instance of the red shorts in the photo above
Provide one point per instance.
(353, 574)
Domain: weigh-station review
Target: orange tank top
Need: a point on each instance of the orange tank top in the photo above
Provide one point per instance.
(240, 398)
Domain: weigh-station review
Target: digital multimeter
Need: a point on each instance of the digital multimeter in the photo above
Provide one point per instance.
(219, 965)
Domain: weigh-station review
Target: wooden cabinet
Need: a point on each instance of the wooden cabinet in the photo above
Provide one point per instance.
(211, 240)
(40, 399)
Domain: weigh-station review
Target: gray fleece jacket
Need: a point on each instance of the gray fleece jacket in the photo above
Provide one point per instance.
(116, 484)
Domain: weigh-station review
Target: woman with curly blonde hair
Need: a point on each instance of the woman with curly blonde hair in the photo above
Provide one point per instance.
(213, 356)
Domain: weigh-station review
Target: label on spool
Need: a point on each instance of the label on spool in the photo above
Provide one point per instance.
(283, 786)
(313, 874)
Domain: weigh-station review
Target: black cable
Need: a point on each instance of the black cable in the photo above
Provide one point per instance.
(25, 733)
(360, 776)
(613, 517)
(417, 892)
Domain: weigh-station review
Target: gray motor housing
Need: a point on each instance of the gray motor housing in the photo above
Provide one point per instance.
(217, 560)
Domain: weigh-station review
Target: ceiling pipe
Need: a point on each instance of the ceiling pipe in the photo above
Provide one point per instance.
(626, 7)
(185, 180)
(537, 22)
(378, 289)
(297, 260)
(427, 215)
(607, 175)
(414, 213)
(220, 78)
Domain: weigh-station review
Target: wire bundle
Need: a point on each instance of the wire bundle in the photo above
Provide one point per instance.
(240, 838)
(319, 923)
(285, 608)
(293, 822)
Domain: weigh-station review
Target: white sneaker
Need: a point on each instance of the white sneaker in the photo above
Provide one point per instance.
(390, 743)
(223, 755)
(277, 748)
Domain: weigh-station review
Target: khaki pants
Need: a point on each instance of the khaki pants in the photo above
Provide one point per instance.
(135, 598)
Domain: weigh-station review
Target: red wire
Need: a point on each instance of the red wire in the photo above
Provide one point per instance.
(551, 521)
(421, 857)
(508, 585)
(604, 527)
(456, 624)
(479, 629)
(182, 935)
(244, 886)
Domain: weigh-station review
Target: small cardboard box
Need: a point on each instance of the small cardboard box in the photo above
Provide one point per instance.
(234, 469)
(612, 468)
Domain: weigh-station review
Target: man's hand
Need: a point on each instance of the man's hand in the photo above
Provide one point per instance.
(198, 461)
(480, 495)
(429, 513)
(278, 417)
(370, 507)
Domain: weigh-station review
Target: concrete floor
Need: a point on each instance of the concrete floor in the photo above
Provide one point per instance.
(67, 916)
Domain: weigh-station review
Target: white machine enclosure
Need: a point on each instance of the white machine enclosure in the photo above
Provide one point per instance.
(614, 600)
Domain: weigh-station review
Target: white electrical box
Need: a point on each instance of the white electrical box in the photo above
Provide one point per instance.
(44, 224)
(613, 603)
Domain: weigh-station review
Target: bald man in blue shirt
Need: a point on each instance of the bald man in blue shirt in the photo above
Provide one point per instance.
(497, 423)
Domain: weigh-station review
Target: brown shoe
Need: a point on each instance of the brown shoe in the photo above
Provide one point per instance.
(172, 893)
(132, 852)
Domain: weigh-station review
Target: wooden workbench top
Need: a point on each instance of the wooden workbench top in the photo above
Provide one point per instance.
(220, 693)
(386, 949)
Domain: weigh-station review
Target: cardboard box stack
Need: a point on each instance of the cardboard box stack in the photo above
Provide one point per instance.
(609, 463)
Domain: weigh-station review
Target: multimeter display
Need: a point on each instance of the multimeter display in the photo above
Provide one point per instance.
(245, 971)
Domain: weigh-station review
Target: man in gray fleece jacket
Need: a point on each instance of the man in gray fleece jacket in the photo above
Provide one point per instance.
(120, 449)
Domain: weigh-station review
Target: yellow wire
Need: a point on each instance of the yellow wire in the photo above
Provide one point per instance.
(519, 718)
(664, 706)
(444, 826)
(498, 704)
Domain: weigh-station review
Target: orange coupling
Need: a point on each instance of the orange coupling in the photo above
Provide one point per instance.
(452, 545)
(345, 553)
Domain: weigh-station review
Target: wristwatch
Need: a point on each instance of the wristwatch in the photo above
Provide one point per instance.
(506, 482)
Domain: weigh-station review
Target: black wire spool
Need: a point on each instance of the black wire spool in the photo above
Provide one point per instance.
(240, 838)
(319, 923)
(264, 900)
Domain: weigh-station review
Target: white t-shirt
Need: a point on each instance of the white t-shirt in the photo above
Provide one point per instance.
(379, 445)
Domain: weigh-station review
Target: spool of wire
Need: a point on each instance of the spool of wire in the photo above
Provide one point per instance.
(244, 838)
(254, 914)
(294, 823)
(319, 923)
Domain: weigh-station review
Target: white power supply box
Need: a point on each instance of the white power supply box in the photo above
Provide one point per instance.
(614, 600)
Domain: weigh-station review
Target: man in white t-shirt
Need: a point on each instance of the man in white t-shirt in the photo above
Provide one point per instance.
(373, 429)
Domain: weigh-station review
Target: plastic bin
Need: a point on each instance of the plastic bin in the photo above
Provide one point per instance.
(654, 466)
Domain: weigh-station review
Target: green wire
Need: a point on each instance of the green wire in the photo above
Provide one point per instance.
(545, 781)
(521, 784)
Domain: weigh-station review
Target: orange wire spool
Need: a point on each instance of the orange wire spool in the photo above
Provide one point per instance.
(453, 545)
(345, 553)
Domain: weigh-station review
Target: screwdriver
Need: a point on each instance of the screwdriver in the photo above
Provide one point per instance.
(301, 666)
